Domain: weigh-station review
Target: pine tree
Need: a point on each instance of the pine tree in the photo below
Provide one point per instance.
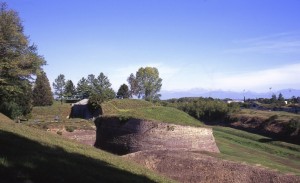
(123, 92)
(69, 89)
(59, 86)
(83, 88)
(42, 95)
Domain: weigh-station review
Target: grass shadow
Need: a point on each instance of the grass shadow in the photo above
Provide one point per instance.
(25, 160)
(267, 140)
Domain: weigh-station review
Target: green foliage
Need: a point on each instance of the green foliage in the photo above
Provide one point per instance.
(70, 128)
(11, 109)
(133, 85)
(95, 99)
(59, 85)
(280, 97)
(123, 92)
(96, 86)
(42, 95)
(99, 90)
(19, 61)
(83, 87)
(69, 89)
(146, 83)
(206, 109)
(273, 98)
(294, 123)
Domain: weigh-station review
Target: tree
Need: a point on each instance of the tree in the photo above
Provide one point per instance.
(59, 86)
(101, 90)
(69, 89)
(42, 95)
(133, 85)
(123, 92)
(102, 82)
(83, 88)
(274, 98)
(294, 100)
(280, 97)
(19, 61)
(146, 83)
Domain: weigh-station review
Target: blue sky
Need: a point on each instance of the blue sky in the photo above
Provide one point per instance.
(210, 44)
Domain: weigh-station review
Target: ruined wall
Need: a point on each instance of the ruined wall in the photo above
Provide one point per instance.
(123, 136)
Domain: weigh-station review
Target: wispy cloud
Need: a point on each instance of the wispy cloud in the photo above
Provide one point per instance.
(261, 80)
(288, 42)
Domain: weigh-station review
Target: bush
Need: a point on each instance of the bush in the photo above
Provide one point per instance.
(206, 109)
(11, 109)
(70, 128)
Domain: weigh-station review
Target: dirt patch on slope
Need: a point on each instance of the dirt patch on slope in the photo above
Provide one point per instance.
(87, 137)
(187, 166)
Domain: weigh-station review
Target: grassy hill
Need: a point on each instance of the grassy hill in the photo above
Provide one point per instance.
(145, 110)
(234, 144)
(238, 145)
(32, 155)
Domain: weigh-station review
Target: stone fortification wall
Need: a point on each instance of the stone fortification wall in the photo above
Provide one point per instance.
(123, 136)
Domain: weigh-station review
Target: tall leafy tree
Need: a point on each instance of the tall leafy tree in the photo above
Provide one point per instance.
(123, 92)
(133, 84)
(146, 83)
(42, 95)
(70, 89)
(59, 86)
(19, 61)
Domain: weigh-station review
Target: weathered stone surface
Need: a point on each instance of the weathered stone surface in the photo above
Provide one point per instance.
(126, 136)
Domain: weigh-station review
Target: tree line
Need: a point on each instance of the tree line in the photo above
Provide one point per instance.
(145, 84)
(203, 109)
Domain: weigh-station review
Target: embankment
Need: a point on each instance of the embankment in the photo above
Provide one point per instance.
(122, 136)
(271, 126)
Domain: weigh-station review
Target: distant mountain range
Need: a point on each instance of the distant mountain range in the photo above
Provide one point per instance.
(287, 93)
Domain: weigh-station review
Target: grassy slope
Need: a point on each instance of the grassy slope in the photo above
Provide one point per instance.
(31, 154)
(44, 118)
(242, 146)
(145, 110)
(234, 144)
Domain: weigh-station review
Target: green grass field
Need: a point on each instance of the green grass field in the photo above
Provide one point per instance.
(235, 145)
(29, 154)
(255, 149)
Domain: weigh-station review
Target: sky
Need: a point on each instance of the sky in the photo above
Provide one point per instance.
(230, 45)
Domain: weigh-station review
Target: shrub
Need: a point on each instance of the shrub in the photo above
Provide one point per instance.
(70, 128)
(206, 109)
